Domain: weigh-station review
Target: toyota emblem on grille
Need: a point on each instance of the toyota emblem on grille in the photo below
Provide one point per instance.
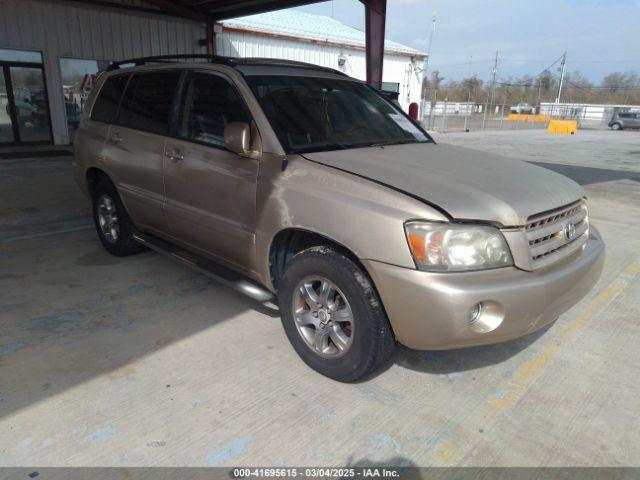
(569, 231)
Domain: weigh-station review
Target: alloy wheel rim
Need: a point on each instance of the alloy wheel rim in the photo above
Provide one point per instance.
(323, 317)
(108, 219)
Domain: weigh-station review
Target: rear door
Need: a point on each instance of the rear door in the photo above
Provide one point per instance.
(136, 144)
(210, 191)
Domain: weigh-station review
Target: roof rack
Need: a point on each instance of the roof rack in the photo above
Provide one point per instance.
(217, 59)
(279, 62)
(168, 59)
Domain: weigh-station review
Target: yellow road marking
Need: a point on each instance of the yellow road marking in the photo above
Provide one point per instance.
(532, 369)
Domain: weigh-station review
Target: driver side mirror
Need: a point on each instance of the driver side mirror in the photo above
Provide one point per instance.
(237, 138)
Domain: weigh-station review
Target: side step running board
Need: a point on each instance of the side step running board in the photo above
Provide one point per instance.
(220, 273)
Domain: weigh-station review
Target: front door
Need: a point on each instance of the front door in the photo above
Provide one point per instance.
(24, 104)
(210, 192)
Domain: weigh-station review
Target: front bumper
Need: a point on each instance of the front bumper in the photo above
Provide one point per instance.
(431, 310)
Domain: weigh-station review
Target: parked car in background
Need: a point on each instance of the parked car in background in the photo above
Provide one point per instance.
(522, 108)
(292, 180)
(622, 120)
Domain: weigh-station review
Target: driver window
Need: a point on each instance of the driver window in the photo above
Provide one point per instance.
(209, 104)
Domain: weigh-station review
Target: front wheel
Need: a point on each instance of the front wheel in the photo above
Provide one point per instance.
(616, 126)
(332, 315)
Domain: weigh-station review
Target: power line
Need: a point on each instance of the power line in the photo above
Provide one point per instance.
(537, 77)
(529, 60)
(604, 87)
(632, 60)
(465, 63)
(556, 61)
(593, 87)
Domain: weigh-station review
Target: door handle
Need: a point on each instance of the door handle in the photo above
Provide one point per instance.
(116, 138)
(175, 155)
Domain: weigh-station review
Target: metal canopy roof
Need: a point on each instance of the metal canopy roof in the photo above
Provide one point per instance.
(204, 10)
(210, 11)
(221, 9)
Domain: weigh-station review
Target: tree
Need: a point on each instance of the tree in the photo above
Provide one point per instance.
(473, 86)
(578, 89)
(436, 79)
(547, 86)
(621, 87)
(433, 84)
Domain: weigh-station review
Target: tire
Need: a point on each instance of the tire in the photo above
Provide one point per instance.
(342, 350)
(616, 126)
(109, 210)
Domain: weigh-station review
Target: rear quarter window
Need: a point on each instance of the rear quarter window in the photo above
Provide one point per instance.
(148, 100)
(106, 107)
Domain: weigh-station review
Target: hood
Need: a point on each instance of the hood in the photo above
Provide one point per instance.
(467, 184)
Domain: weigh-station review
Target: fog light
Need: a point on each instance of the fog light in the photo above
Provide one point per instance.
(474, 313)
(485, 316)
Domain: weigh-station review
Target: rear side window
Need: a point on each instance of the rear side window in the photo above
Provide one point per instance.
(106, 106)
(147, 102)
(209, 104)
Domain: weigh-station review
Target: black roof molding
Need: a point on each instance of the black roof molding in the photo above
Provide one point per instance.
(219, 60)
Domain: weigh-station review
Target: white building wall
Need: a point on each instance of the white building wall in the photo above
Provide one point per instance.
(397, 68)
(69, 29)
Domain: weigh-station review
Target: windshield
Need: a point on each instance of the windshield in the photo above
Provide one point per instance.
(317, 114)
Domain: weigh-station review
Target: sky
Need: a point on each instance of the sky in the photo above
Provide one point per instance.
(600, 36)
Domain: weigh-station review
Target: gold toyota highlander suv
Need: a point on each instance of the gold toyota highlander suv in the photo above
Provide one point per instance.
(288, 179)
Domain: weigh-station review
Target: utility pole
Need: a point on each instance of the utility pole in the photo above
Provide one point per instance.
(564, 62)
(493, 80)
(433, 29)
(426, 71)
(491, 90)
(539, 99)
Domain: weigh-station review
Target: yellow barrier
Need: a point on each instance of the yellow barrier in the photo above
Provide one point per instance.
(519, 117)
(563, 127)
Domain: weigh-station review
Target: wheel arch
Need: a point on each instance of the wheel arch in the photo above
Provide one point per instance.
(292, 240)
(93, 176)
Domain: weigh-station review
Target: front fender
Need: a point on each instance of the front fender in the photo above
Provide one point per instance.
(363, 216)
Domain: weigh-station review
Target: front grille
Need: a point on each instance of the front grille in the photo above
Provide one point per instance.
(555, 234)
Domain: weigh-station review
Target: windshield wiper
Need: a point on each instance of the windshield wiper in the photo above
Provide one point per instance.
(324, 148)
(392, 142)
(346, 146)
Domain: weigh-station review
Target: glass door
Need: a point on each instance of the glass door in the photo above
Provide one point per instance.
(25, 105)
(6, 125)
(31, 104)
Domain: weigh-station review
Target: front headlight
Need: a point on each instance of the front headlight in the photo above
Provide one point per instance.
(450, 247)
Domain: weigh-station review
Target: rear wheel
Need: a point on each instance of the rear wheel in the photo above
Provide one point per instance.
(112, 222)
(616, 126)
(333, 316)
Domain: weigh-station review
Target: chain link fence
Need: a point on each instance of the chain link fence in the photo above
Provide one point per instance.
(442, 115)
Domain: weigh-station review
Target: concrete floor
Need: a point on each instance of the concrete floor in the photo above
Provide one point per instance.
(140, 361)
